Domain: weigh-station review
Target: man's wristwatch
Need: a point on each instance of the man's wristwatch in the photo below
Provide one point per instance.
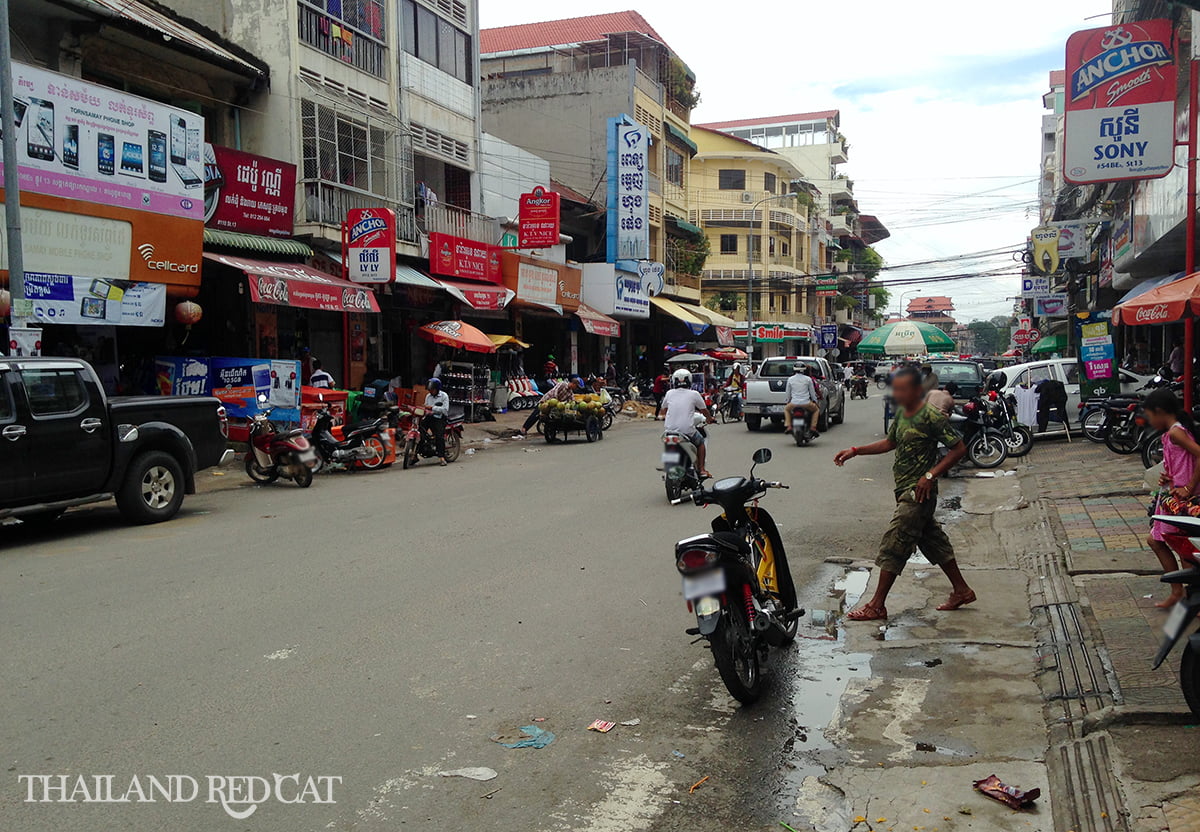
(929, 476)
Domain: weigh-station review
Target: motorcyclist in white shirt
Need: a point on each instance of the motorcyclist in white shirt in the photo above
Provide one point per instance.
(681, 404)
(802, 395)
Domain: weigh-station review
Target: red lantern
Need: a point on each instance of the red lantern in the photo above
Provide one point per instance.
(188, 312)
(5, 303)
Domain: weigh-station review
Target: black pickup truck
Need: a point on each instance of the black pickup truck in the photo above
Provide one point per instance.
(64, 443)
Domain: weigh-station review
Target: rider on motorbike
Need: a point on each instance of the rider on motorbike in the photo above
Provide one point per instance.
(438, 404)
(802, 395)
(682, 403)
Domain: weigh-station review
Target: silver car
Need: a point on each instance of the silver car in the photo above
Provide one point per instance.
(1065, 370)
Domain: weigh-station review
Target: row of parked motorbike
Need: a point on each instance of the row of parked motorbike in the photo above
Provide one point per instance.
(370, 444)
(1120, 423)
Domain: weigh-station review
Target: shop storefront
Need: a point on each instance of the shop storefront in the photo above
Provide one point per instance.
(620, 295)
(544, 294)
(775, 339)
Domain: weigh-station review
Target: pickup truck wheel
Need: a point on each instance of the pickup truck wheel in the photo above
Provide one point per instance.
(153, 488)
(841, 414)
(753, 423)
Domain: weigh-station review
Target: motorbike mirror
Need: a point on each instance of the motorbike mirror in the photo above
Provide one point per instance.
(262, 398)
(676, 472)
(762, 456)
(1158, 379)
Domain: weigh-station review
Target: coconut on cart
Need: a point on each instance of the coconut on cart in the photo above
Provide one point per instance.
(582, 414)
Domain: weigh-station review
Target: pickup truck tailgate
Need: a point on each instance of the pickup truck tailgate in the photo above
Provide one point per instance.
(196, 416)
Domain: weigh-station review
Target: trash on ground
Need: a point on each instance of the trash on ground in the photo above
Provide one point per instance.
(678, 754)
(865, 479)
(531, 736)
(470, 451)
(472, 716)
(474, 773)
(632, 722)
(1011, 795)
(488, 796)
(785, 826)
(698, 784)
(601, 726)
(539, 719)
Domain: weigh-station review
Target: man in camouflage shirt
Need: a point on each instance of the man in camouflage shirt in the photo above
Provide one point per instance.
(914, 435)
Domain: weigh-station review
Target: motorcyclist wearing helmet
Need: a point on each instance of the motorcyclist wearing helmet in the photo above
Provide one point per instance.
(438, 405)
(681, 404)
(802, 395)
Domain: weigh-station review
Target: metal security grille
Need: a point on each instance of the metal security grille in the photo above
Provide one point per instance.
(357, 35)
(439, 143)
(352, 160)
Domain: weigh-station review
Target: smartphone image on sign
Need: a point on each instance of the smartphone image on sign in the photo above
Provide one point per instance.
(90, 307)
(107, 291)
(132, 161)
(178, 141)
(70, 148)
(39, 132)
(193, 145)
(156, 141)
(106, 153)
(19, 108)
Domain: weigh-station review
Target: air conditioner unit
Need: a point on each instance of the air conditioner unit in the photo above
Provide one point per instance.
(747, 196)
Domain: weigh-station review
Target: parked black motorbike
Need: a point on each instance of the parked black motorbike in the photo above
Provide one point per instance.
(737, 582)
(362, 445)
(986, 446)
(1181, 618)
(1001, 415)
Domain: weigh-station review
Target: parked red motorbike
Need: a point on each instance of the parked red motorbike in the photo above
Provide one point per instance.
(274, 454)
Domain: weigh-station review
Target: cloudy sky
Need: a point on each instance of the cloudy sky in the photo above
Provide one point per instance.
(940, 101)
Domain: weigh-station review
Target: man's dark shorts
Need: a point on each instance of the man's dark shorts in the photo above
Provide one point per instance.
(913, 527)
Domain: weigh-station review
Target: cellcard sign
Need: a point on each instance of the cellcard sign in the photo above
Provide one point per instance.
(1120, 119)
(370, 245)
(628, 190)
(79, 140)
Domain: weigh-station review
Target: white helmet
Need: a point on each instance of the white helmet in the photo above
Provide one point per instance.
(681, 378)
(737, 368)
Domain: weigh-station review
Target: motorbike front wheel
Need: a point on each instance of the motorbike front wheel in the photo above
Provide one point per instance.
(987, 451)
(736, 655)
(1093, 427)
(1189, 678)
(262, 475)
(304, 474)
(1020, 441)
(1152, 451)
(606, 421)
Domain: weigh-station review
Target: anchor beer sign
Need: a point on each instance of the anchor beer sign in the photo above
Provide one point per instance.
(1121, 88)
(369, 245)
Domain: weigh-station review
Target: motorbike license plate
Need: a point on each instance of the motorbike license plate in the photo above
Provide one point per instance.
(1176, 622)
(699, 586)
(669, 457)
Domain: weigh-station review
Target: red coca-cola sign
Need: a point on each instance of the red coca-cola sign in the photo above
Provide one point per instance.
(1152, 314)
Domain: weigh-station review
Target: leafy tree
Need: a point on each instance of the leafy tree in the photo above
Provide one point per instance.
(990, 337)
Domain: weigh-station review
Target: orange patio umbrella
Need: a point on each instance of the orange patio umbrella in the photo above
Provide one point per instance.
(1174, 302)
(459, 335)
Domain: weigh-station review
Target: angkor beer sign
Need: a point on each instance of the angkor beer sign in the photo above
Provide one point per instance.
(1121, 88)
(538, 218)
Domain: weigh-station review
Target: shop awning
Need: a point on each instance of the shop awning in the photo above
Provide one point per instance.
(679, 313)
(405, 275)
(1164, 305)
(254, 242)
(293, 284)
(508, 341)
(597, 323)
(1147, 285)
(681, 137)
(706, 314)
(686, 227)
(1048, 344)
(482, 296)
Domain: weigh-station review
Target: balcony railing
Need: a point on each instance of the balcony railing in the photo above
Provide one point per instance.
(459, 222)
(648, 85)
(326, 203)
(361, 49)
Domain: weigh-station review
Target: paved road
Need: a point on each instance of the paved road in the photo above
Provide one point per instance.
(381, 627)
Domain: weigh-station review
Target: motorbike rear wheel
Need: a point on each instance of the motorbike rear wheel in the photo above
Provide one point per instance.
(1020, 441)
(606, 421)
(1189, 678)
(453, 446)
(1123, 441)
(304, 475)
(987, 451)
(1152, 451)
(378, 453)
(674, 488)
(257, 474)
(736, 655)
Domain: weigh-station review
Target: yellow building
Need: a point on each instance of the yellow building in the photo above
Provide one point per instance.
(754, 209)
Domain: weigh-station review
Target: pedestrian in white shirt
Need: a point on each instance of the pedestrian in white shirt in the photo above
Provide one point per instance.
(320, 377)
(801, 395)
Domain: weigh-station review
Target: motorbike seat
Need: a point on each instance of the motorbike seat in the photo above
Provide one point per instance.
(732, 541)
(359, 427)
(289, 434)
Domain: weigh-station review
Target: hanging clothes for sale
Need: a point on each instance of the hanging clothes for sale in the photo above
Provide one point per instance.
(1027, 405)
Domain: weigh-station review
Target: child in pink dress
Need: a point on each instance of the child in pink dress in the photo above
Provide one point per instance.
(1181, 473)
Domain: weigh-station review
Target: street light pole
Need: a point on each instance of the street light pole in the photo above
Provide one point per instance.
(750, 267)
(12, 175)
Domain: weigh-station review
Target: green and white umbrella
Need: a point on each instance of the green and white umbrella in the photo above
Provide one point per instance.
(906, 338)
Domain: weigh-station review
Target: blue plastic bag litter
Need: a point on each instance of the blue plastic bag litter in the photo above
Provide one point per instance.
(535, 738)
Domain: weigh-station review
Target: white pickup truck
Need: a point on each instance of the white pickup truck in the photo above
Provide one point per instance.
(766, 391)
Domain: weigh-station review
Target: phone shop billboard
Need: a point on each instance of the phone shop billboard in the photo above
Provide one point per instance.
(78, 140)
